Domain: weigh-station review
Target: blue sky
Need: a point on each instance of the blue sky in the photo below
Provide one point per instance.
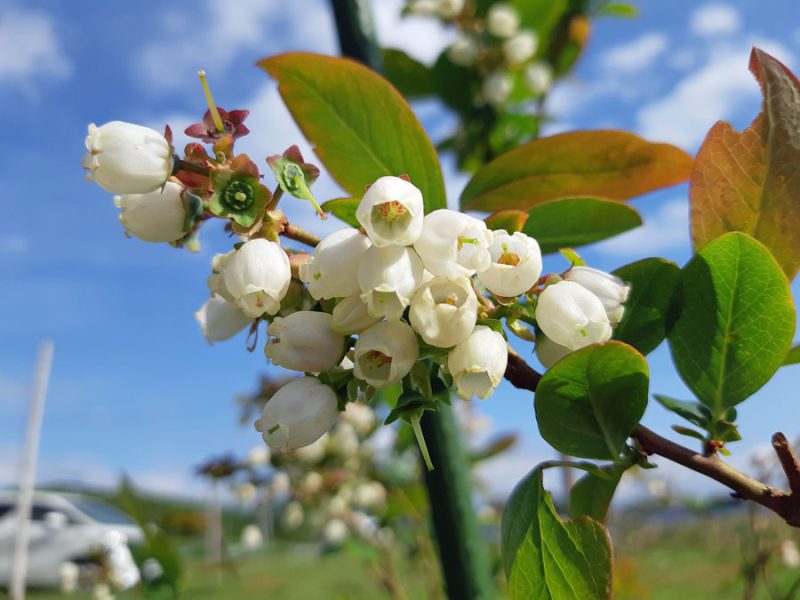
(135, 387)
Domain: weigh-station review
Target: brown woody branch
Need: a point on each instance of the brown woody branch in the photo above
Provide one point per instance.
(300, 235)
(784, 504)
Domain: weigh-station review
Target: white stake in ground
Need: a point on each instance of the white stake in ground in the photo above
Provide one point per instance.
(28, 475)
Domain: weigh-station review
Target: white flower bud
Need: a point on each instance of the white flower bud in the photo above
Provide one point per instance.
(453, 244)
(311, 483)
(385, 353)
(520, 47)
(503, 20)
(572, 316)
(391, 212)
(344, 440)
(298, 414)
(303, 341)
(157, 216)
(280, 484)
(516, 264)
(351, 316)
(220, 320)
(388, 277)
(370, 495)
(478, 363)
(448, 9)
(338, 505)
(216, 282)
(335, 532)
(444, 312)
(257, 277)
(251, 537)
(463, 51)
(293, 515)
(245, 491)
(313, 453)
(332, 270)
(548, 352)
(123, 158)
(610, 289)
(497, 87)
(360, 416)
(538, 77)
(259, 456)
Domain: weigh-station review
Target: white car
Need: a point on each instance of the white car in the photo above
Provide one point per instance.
(68, 528)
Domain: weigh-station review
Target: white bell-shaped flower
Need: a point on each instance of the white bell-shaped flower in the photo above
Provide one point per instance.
(216, 281)
(370, 495)
(257, 277)
(444, 311)
(259, 456)
(572, 316)
(391, 212)
(497, 87)
(516, 264)
(385, 353)
(360, 416)
(538, 76)
(502, 20)
(220, 320)
(464, 50)
(304, 341)
(388, 277)
(548, 352)
(453, 244)
(293, 515)
(332, 269)
(298, 414)
(448, 9)
(351, 316)
(335, 533)
(157, 216)
(520, 47)
(478, 364)
(610, 289)
(123, 158)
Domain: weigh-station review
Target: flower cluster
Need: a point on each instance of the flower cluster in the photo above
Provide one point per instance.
(409, 301)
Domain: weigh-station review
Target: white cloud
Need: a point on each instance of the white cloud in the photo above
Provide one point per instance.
(667, 229)
(420, 37)
(29, 48)
(717, 90)
(637, 55)
(715, 19)
(252, 26)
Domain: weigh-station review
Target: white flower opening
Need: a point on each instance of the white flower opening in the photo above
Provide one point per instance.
(453, 244)
(478, 363)
(385, 353)
(516, 264)
(444, 312)
(572, 316)
(391, 212)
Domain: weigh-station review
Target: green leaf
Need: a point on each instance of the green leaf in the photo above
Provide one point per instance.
(540, 15)
(691, 411)
(605, 163)
(577, 221)
(588, 403)
(792, 357)
(748, 181)
(410, 77)
(591, 495)
(362, 129)
(689, 432)
(510, 220)
(344, 209)
(654, 293)
(495, 446)
(546, 558)
(736, 322)
(618, 9)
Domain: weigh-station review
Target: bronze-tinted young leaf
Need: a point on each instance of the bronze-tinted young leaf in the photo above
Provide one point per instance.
(344, 209)
(736, 321)
(362, 129)
(749, 181)
(546, 558)
(605, 163)
(510, 220)
(569, 222)
(654, 290)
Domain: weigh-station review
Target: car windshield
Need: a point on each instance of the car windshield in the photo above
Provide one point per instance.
(100, 511)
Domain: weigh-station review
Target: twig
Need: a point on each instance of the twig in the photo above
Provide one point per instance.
(182, 165)
(300, 235)
(784, 504)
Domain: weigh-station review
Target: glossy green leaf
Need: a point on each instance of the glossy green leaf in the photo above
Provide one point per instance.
(344, 209)
(749, 181)
(588, 403)
(360, 126)
(792, 357)
(410, 77)
(736, 322)
(546, 558)
(570, 222)
(510, 220)
(691, 411)
(655, 283)
(605, 163)
(591, 495)
(618, 9)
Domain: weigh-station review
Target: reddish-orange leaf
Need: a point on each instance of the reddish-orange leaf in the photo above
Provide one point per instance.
(510, 220)
(749, 181)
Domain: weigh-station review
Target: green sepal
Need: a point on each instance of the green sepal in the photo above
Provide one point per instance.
(238, 192)
(294, 175)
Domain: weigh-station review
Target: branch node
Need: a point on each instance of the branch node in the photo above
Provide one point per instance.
(789, 461)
